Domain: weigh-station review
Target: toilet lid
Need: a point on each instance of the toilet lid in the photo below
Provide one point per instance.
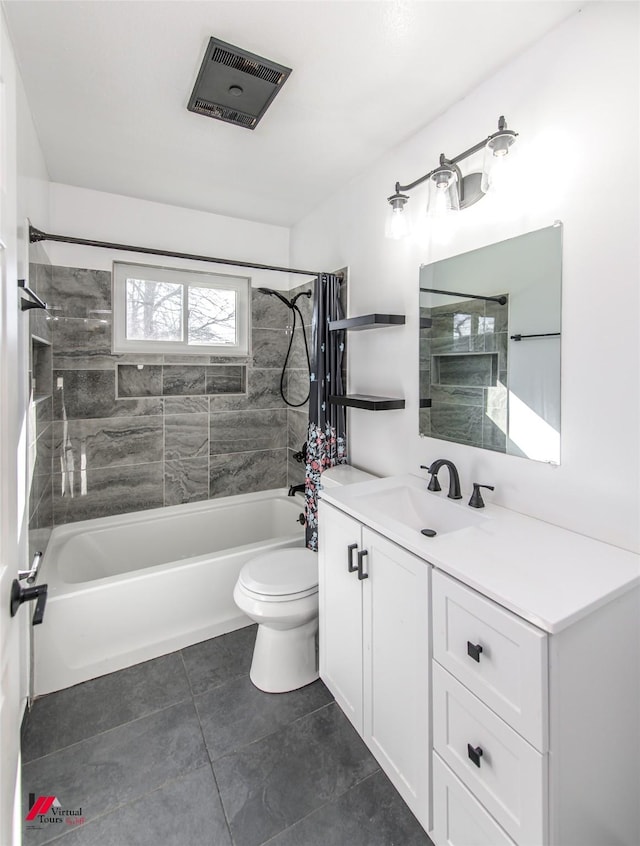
(279, 573)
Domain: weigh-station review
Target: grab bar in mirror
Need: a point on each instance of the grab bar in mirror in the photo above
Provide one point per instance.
(519, 337)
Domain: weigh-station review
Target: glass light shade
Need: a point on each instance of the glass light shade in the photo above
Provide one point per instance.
(497, 156)
(443, 193)
(397, 224)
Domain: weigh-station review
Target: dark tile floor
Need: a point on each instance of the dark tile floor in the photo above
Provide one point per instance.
(184, 751)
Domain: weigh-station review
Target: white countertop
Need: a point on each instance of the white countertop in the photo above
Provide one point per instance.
(547, 575)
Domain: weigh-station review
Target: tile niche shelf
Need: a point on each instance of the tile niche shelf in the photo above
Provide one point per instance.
(368, 321)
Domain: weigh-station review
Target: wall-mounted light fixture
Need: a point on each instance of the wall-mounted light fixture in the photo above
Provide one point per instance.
(449, 190)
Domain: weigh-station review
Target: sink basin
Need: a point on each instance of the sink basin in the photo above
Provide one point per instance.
(420, 509)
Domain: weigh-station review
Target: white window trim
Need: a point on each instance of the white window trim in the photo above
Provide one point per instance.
(201, 279)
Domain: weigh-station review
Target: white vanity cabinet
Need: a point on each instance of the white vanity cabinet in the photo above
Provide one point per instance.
(374, 647)
(532, 736)
(493, 671)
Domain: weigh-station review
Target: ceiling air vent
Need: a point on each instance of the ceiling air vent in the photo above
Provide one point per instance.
(235, 86)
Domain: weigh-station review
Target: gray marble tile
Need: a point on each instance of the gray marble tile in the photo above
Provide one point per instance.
(110, 490)
(107, 442)
(499, 315)
(496, 397)
(295, 470)
(451, 320)
(226, 379)
(263, 391)
(80, 293)
(184, 812)
(92, 393)
(41, 502)
(104, 703)
(43, 451)
(451, 344)
(136, 380)
(43, 409)
(139, 358)
(457, 395)
(186, 480)
(39, 540)
(460, 423)
(186, 435)
(297, 386)
(473, 370)
(424, 355)
(244, 472)
(499, 343)
(305, 304)
(240, 431)
(236, 713)
(494, 429)
(369, 814)
(424, 385)
(219, 660)
(297, 428)
(189, 358)
(183, 380)
(82, 342)
(185, 405)
(118, 766)
(269, 347)
(298, 356)
(269, 785)
(424, 422)
(267, 312)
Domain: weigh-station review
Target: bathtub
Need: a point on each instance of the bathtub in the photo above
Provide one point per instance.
(129, 588)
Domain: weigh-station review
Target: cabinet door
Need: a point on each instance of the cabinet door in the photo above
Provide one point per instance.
(340, 605)
(396, 667)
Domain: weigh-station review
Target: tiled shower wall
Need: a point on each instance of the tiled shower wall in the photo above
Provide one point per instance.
(141, 431)
(463, 371)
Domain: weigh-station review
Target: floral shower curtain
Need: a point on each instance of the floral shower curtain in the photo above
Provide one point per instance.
(327, 433)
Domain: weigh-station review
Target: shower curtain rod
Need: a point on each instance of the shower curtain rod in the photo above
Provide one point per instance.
(36, 235)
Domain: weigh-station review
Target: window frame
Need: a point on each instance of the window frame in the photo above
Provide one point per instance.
(122, 271)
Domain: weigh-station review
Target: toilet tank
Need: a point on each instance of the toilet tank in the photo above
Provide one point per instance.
(344, 474)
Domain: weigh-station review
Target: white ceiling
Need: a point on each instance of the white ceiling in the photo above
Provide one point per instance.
(108, 83)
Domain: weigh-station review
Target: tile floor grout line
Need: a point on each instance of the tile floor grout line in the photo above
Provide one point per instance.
(270, 734)
(324, 805)
(106, 731)
(213, 772)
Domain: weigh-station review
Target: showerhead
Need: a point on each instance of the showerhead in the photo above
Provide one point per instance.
(277, 294)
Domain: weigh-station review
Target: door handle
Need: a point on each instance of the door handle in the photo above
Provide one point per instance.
(361, 574)
(351, 567)
(20, 595)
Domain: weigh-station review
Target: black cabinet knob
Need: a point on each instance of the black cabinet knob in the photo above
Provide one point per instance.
(474, 650)
(474, 753)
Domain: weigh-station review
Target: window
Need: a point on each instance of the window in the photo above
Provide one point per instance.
(158, 309)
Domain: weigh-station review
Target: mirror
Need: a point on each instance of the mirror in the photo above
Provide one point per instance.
(490, 346)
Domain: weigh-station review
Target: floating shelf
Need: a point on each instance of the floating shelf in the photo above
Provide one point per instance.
(368, 402)
(425, 403)
(367, 321)
(426, 322)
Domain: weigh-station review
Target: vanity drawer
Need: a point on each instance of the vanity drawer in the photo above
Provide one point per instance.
(498, 656)
(458, 818)
(504, 772)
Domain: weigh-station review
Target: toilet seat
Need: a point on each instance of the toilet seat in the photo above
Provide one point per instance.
(280, 576)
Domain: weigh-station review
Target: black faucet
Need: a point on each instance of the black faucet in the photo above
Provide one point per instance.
(454, 479)
(293, 489)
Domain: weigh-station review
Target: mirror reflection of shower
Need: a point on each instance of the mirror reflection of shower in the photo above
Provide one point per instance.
(291, 304)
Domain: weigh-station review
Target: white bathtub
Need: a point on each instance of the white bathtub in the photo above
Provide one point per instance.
(129, 588)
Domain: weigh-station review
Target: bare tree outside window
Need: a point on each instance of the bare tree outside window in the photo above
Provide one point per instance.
(212, 316)
(154, 310)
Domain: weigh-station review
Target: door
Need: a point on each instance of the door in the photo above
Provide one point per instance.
(396, 667)
(12, 505)
(340, 601)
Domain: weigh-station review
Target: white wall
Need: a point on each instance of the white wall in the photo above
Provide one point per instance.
(96, 215)
(573, 98)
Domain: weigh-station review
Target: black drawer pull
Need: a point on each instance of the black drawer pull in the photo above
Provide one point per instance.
(474, 650)
(361, 574)
(351, 567)
(474, 753)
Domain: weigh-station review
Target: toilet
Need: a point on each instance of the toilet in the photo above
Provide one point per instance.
(279, 591)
